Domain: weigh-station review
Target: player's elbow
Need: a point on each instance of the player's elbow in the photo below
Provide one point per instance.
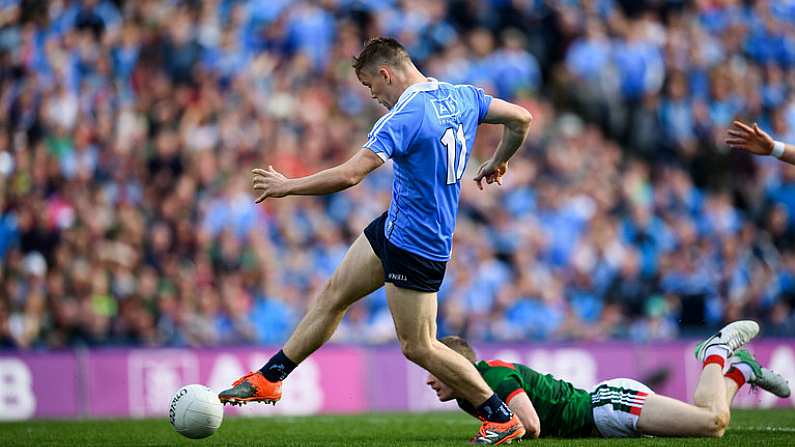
(532, 427)
(530, 420)
(521, 120)
(525, 117)
(350, 178)
(532, 432)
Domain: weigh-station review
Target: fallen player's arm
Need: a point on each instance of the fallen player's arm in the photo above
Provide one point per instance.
(516, 121)
(520, 404)
(270, 183)
(756, 141)
(784, 152)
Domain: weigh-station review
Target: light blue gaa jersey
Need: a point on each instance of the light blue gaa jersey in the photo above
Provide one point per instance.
(428, 135)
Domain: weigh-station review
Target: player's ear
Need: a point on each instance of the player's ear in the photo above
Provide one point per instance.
(385, 74)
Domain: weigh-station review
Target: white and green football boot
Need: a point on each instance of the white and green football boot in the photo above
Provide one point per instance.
(764, 378)
(732, 337)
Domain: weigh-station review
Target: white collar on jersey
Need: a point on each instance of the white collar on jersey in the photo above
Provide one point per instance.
(431, 84)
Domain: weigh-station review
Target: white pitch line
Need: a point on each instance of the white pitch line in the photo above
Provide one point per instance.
(765, 428)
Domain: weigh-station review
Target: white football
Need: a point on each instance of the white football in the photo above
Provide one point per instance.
(195, 411)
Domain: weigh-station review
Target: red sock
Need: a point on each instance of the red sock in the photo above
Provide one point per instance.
(736, 375)
(714, 359)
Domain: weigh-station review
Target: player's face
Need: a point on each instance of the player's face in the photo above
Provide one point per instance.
(378, 83)
(443, 392)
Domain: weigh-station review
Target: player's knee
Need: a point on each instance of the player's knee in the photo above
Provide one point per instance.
(715, 432)
(332, 298)
(723, 419)
(718, 422)
(416, 351)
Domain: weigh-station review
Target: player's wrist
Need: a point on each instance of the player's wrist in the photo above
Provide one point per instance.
(497, 161)
(287, 187)
(778, 149)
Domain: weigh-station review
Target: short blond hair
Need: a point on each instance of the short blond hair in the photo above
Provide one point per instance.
(380, 51)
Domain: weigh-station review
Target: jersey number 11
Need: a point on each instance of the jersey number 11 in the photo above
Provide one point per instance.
(448, 139)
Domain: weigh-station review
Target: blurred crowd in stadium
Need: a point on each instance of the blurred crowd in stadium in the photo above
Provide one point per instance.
(128, 130)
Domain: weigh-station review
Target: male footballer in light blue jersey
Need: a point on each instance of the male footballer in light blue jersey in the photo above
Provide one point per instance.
(427, 133)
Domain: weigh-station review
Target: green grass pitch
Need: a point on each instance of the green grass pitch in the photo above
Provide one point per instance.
(748, 428)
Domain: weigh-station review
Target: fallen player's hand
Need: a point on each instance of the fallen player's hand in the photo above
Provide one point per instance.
(269, 183)
(751, 139)
(491, 172)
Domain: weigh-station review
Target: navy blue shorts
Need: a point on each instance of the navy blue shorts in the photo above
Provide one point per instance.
(402, 268)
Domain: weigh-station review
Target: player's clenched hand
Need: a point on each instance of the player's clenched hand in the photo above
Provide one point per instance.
(491, 172)
(751, 139)
(268, 183)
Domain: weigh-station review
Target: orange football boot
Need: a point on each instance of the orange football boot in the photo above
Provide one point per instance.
(497, 433)
(253, 387)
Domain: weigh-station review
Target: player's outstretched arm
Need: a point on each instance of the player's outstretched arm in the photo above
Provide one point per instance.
(516, 120)
(758, 142)
(270, 183)
(523, 408)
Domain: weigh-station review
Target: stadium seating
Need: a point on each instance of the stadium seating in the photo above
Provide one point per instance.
(128, 130)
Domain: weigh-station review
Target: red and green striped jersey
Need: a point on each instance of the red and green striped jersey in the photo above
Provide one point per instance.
(563, 410)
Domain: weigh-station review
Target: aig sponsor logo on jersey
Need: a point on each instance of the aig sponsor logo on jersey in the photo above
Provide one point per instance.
(446, 108)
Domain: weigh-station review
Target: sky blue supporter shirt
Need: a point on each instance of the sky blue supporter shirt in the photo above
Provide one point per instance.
(428, 135)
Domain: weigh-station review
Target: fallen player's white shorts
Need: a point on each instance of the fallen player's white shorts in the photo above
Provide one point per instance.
(617, 404)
